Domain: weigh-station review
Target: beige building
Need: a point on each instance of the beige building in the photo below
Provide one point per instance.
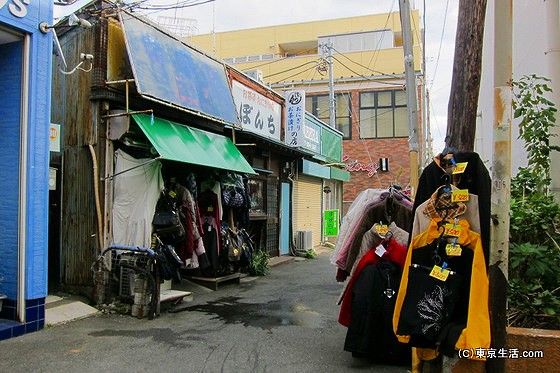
(368, 80)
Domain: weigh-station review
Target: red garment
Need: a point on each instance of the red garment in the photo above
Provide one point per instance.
(395, 252)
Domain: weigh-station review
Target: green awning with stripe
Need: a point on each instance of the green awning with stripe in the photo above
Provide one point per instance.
(180, 143)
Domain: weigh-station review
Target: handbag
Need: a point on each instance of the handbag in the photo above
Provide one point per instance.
(167, 221)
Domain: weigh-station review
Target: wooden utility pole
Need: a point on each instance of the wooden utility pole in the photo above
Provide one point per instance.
(411, 93)
(465, 82)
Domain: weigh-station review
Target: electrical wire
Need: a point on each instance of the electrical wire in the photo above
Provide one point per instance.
(440, 41)
(293, 68)
(364, 66)
(363, 76)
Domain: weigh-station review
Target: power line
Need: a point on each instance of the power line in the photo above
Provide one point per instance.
(365, 67)
(363, 76)
(440, 41)
(293, 68)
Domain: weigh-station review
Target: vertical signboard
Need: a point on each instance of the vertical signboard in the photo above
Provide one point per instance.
(258, 114)
(295, 117)
(330, 220)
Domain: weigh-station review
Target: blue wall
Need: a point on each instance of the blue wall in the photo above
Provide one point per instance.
(24, 19)
(10, 91)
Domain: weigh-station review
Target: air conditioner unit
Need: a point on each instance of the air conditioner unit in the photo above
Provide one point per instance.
(256, 74)
(304, 240)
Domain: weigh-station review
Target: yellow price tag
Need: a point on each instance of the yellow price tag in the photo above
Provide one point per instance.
(382, 229)
(452, 230)
(453, 250)
(460, 168)
(172, 193)
(439, 273)
(460, 195)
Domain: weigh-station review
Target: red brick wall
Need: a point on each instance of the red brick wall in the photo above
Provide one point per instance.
(368, 152)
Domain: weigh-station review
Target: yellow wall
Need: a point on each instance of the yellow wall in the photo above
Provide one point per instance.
(266, 40)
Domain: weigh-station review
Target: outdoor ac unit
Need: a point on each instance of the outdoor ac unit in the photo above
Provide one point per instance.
(304, 240)
(256, 74)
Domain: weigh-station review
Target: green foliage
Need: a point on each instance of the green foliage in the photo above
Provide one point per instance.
(259, 266)
(534, 256)
(537, 115)
(310, 254)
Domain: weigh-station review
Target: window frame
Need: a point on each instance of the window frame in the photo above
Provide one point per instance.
(375, 131)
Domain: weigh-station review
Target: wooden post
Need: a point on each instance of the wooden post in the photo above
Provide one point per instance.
(465, 82)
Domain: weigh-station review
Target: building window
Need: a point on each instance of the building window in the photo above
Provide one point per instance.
(383, 114)
(256, 196)
(319, 106)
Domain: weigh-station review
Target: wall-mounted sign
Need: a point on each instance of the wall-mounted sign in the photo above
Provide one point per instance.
(295, 117)
(19, 8)
(54, 136)
(166, 69)
(330, 220)
(258, 114)
(356, 166)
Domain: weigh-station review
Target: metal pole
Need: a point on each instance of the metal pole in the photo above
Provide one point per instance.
(501, 178)
(411, 94)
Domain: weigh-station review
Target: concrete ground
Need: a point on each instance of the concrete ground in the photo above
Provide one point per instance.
(283, 322)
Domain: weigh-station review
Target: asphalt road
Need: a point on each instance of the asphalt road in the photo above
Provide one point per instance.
(283, 322)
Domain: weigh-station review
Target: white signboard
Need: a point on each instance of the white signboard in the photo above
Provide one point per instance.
(257, 113)
(295, 117)
(54, 135)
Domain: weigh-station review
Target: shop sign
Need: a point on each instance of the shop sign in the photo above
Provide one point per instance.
(356, 166)
(311, 137)
(330, 219)
(54, 136)
(257, 113)
(295, 117)
(17, 8)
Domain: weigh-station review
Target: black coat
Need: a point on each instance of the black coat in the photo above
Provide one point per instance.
(475, 178)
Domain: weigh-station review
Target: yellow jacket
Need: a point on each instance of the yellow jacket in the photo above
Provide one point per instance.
(477, 331)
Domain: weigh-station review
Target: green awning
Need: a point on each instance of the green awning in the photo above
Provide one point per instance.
(180, 143)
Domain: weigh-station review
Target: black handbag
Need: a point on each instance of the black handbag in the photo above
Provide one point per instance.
(167, 221)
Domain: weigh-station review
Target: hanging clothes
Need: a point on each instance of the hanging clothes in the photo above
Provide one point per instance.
(394, 252)
(449, 314)
(132, 215)
(475, 178)
(387, 207)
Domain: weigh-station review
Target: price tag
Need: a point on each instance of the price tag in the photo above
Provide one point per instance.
(210, 209)
(439, 273)
(452, 230)
(460, 195)
(453, 250)
(382, 229)
(172, 193)
(380, 250)
(460, 168)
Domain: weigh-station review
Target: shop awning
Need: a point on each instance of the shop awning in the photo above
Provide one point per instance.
(180, 143)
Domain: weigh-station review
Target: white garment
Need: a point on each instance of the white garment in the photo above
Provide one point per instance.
(136, 193)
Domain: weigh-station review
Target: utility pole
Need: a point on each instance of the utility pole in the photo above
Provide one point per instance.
(465, 82)
(552, 56)
(411, 94)
(501, 179)
(332, 103)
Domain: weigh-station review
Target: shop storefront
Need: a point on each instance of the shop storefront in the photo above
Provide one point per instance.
(25, 60)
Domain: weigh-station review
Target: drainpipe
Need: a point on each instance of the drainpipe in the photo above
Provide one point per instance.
(22, 216)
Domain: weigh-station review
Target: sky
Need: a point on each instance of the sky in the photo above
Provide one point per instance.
(225, 15)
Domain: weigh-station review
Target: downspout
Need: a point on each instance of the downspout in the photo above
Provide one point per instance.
(22, 231)
(97, 201)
